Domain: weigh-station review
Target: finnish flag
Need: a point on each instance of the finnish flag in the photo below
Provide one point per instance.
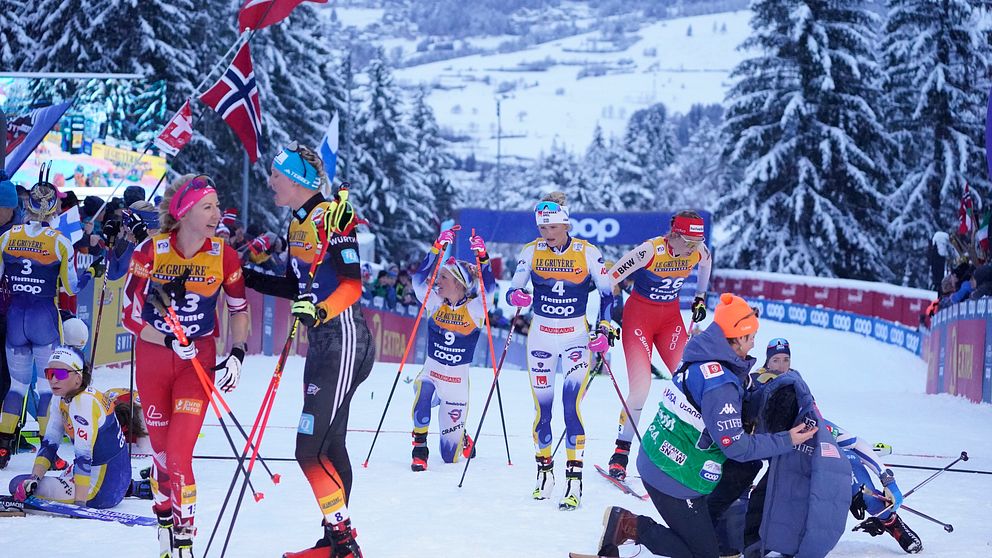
(329, 149)
(70, 225)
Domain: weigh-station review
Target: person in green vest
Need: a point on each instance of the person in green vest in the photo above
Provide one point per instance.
(697, 428)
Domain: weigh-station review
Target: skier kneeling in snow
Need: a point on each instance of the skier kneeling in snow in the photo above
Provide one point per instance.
(780, 398)
(457, 318)
(697, 428)
(101, 472)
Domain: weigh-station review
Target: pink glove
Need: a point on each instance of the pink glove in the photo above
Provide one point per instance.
(443, 239)
(478, 246)
(520, 299)
(599, 344)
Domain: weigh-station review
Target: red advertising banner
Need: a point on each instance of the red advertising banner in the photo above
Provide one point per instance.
(888, 307)
(856, 301)
(390, 332)
(821, 296)
(789, 292)
(964, 360)
(911, 310)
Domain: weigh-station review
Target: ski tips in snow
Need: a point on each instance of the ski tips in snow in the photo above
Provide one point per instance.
(621, 484)
(82, 512)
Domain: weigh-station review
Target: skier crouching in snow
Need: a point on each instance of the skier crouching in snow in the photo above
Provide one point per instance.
(778, 397)
(698, 427)
(562, 269)
(340, 353)
(457, 317)
(101, 472)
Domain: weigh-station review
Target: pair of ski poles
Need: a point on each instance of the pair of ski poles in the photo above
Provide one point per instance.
(496, 366)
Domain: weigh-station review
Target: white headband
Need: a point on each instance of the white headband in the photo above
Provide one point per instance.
(547, 216)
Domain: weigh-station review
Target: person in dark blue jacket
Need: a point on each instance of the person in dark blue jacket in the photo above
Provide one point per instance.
(698, 427)
(140, 221)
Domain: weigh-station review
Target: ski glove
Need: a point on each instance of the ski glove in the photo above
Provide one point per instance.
(185, 352)
(97, 267)
(111, 229)
(444, 239)
(520, 298)
(698, 309)
(305, 310)
(892, 492)
(27, 488)
(478, 246)
(229, 370)
(602, 339)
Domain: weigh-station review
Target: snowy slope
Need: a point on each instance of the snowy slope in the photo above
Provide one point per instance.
(873, 389)
(539, 107)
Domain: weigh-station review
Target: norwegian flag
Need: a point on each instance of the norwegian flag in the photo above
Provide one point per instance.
(235, 98)
(257, 14)
(177, 132)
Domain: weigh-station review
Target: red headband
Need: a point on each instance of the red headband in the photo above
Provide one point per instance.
(691, 227)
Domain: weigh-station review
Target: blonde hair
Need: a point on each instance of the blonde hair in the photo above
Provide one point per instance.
(142, 205)
(556, 197)
(310, 156)
(167, 221)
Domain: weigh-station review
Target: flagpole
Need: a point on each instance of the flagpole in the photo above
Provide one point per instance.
(3, 145)
(245, 169)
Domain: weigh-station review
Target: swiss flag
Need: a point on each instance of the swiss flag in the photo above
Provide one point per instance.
(177, 132)
(257, 14)
(235, 98)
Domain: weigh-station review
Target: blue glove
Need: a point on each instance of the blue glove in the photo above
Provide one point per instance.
(891, 489)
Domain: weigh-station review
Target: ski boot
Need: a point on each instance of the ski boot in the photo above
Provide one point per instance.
(545, 478)
(906, 537)
(24, 446)
(338, 542)
(573, 488)
(165, 530)
(619, 527)
(468, 446)
(618, 463)
(7, 445)
(182, 542)
(420, 452)
(59, 464)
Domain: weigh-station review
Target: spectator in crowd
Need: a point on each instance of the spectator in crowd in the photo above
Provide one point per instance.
(133, 194)
(404, 289)
(79, 177)
(22, 197)
(983, 281)
(948, 286)
(140, 221)
(962, 275)
(385, 287)
(68, 202)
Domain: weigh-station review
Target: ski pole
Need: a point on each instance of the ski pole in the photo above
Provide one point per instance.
(626, 409)
(99, 310)
(173, 322)
(406, 352)
(492, 350)
(130, 393)
(595, 372)
(489, 398)
(947, 526)
(268, 400)
(962, 457)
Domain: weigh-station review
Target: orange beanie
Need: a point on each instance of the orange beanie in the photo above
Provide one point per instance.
(735, 317)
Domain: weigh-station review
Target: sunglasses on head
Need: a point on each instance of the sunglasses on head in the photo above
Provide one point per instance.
(754, 312)
(199, 182)
(60, 374)
(548, 206)
(294, 147)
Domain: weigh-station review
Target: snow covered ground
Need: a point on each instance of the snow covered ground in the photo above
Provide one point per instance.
(875, 390)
